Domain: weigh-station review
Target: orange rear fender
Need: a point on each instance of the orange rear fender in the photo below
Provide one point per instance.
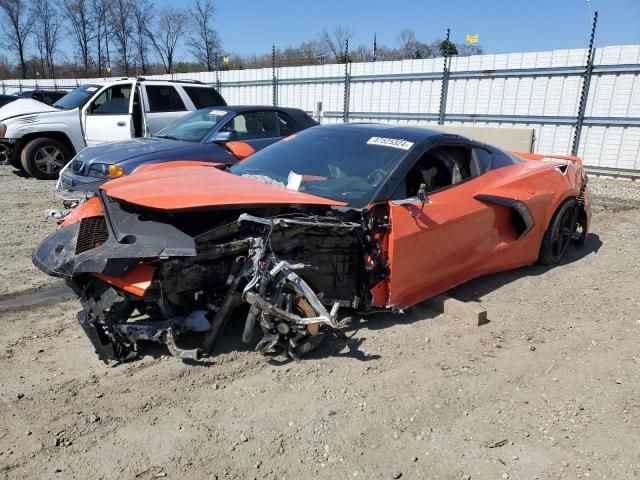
(536, 156)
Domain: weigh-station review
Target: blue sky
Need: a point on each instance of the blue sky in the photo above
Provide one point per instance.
(250, 26)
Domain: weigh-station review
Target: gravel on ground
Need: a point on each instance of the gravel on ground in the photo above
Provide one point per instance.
(548, 389)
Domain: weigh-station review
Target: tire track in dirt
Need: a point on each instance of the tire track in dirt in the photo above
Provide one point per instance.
(56, 293)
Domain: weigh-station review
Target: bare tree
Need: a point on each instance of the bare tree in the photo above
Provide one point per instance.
(335, 41)
(47, 31)
(170, 27)
(19, 30)
(466, 50)
(205, 42)
(362, 54)
(410, 47)
(311, 52)
(143, 13)
(122, 26)
(5, 68)
(81, 26)
(407, 41)
(101, 24)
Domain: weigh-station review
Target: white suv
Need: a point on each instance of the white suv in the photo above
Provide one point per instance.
(42, 139)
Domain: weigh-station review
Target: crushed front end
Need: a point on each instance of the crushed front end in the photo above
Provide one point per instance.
(177, 278)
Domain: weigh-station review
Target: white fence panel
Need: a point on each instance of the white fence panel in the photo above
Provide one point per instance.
(539, 90)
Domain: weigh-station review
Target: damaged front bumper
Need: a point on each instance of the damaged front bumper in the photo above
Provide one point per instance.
(147, 281)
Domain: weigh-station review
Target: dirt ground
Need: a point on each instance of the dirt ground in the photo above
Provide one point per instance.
(22, 226)
(549, 389)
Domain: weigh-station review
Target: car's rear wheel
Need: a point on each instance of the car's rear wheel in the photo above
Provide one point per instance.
(558, 236)
(43, 158)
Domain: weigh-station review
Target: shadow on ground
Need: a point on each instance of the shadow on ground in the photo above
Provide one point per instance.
(474, 290)
(348, 342)
(20, 173)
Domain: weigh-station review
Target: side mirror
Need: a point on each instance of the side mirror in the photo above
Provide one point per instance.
(422, 194)
(222, 137)
(240, 150)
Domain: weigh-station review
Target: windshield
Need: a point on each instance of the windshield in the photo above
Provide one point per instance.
(193, 127)
(340, 165)
(76, 98)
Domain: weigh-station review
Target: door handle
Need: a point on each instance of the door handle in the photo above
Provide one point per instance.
(122, 124)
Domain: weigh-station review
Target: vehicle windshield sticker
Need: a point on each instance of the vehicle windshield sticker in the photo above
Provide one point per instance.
(217, 112)
(92, 89)
(390, 142)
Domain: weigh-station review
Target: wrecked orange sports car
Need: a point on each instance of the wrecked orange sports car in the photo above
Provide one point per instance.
(337, 218)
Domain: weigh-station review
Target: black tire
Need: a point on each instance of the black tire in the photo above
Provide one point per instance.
(43, 158)
(13, 160)
(558, 236)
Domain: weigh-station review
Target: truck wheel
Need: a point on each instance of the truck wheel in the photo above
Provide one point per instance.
(43, 158)
(14, 160)
(558, 236)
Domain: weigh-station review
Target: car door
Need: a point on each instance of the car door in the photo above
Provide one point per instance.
(108, 116)
(163, 105)
(442, 240)
(258, 128)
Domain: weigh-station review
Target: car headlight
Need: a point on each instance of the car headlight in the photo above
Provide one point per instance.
(3, 130)
(106, 170)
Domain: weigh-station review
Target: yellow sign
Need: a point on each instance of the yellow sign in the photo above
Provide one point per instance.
(472, 38)
(225, 59)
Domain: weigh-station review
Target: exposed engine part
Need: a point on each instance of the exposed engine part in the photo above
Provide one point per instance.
(200, 293)
(53, 213)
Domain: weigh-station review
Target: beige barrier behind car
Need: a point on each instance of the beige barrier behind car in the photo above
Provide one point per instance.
(521, 139)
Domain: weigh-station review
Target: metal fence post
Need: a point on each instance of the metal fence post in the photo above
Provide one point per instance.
(445, 81)
(347, 83)
(217, 65)
(586, 83)
(274, 79)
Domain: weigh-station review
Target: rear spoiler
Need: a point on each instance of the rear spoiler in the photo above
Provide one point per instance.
(535, 156)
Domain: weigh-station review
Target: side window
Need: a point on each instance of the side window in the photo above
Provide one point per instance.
(203, 97)
(502, 159)
(253, 125)
(482, 161)
(51, 98)
(438, 168)
(490, 158)
(113, 101)
(164, 98)
(287, 125)
(270, 124)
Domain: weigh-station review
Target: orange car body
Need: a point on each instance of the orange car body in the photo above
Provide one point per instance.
(453, 224)
(181, 237)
